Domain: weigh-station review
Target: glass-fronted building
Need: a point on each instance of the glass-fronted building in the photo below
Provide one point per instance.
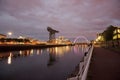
(116, 33)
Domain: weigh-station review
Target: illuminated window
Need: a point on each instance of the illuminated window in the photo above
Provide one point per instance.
(115, 37)
(118, 30)
(115, 31)
(118, 35)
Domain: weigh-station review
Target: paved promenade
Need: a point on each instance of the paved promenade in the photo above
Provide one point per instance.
(105, 65)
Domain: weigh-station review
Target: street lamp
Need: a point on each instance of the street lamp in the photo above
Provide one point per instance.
(9, 34)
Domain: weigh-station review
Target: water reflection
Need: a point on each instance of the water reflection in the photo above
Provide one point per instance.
(54, 53)
(25, 52)
(15, 54)
(52, 56)
(59, 51)
(80, 48)
(39, 52)
(31, 52)
(51, 63)
(10, 58)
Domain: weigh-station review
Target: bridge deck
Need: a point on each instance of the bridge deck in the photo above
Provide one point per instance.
(105, 65)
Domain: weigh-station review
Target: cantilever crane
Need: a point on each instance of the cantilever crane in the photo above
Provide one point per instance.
(52, 33)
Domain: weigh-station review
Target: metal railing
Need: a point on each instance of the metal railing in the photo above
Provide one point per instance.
(83, 66)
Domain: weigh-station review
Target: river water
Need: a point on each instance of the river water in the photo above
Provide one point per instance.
(55, 63)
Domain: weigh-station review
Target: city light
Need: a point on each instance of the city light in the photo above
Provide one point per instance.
(10, 58)
(9, 33)
(21, 37)
(116, 34)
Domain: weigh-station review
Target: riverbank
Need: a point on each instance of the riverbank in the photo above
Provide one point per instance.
(15, 47)
(81, 69)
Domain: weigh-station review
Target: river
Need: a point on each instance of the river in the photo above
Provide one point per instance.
(55, 63)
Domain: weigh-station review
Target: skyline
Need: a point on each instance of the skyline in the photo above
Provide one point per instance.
(71, 17)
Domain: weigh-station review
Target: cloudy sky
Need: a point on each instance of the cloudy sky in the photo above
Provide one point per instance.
(71, 17)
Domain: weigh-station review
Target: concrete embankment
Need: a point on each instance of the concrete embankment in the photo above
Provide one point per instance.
(82, 68)
(24, 47)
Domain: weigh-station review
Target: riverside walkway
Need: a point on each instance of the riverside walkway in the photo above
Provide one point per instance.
(105, 65)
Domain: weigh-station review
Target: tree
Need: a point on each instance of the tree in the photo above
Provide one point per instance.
(108, 33)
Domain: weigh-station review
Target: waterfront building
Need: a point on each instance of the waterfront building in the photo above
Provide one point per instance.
(60, 40)
(100, 37)
(2, 36)
(116, 33)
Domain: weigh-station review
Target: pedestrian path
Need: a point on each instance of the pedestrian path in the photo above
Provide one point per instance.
(105, 65)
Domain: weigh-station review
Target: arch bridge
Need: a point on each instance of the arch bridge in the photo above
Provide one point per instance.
(81, 40)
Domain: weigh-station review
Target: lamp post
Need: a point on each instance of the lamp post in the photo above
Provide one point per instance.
(9, 34)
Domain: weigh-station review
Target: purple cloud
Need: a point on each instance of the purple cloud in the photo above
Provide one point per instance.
(71, 17)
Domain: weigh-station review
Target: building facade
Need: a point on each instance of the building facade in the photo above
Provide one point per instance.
(116, 33)
(2, 36)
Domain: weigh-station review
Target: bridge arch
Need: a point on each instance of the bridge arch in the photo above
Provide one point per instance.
(83, 39)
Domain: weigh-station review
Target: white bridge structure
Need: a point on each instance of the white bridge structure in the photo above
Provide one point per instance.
(81, 39)
(85, 62)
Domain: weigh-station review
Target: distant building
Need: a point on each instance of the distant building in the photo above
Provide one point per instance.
(2, 36)
(61, 40)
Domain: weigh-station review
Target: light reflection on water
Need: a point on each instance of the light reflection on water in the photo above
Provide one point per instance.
(10, 58)
(62, 60)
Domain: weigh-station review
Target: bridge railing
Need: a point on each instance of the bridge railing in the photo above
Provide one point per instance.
(83, 66)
